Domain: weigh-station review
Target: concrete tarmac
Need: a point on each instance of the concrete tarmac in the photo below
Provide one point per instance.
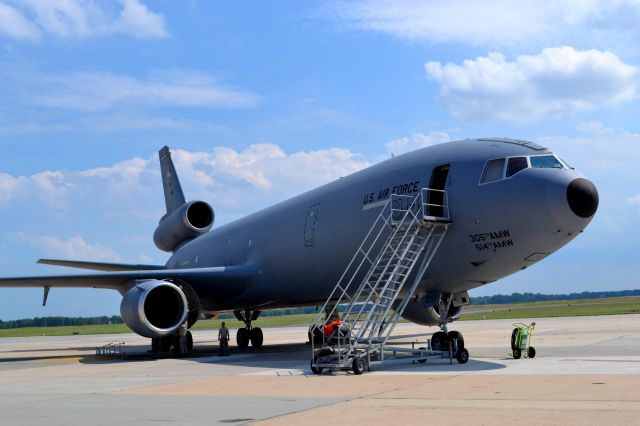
(586, 371)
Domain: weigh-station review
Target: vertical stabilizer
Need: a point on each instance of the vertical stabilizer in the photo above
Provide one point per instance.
(173, 195)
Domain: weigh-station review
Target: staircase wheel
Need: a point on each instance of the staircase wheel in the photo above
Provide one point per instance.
(358, 366)
(314, 369)
(462, 356)
(422, 361)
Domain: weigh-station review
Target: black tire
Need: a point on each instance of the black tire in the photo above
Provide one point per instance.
(514, 334)
(531, 352)
(189, 341)
(462, 356)
(242, 338)
(439, 341)
(456, 335)
(358, 366)
(256, 337)
(155, 344)
(166, 343)
(422, 361)
(315, 370)
(516, 353)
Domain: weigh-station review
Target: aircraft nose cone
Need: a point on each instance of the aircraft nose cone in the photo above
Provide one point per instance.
(582, 196)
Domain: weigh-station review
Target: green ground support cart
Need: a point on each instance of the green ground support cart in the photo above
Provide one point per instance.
(521, 340)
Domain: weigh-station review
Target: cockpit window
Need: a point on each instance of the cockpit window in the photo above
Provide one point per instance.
(545, 162)
(493, 170)
(516, 164)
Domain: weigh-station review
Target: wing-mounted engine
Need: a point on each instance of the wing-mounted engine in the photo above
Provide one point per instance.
(426, 310)
(154, 308)
(185, 223)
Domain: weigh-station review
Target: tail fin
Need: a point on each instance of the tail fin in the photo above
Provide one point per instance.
(173, 195)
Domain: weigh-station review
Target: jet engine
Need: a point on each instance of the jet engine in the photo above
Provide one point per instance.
(187, 222)
(154, 308)
(418, 314)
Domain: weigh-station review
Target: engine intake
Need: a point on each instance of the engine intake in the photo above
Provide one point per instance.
(154, 308)
(187, 222)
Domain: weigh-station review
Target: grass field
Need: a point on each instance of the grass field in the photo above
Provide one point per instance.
(587, 307)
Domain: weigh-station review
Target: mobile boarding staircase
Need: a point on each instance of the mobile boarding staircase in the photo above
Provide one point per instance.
(375, 286)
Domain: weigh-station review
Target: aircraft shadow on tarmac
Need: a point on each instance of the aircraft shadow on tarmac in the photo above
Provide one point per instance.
(287, 356)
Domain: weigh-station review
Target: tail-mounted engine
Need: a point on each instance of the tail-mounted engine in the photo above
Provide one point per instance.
(154, 308)
(185, 223)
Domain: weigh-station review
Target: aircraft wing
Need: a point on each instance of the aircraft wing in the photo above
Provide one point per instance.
(100, 266)
(228, 276)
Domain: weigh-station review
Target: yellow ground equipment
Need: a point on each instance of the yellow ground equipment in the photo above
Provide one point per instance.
(521, 340)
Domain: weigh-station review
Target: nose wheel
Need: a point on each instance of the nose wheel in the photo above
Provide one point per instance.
(248, 334)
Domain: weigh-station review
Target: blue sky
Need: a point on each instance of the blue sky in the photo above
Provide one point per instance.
(263, 100)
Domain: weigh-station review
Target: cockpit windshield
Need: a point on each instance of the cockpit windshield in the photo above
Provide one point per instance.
(505, 168)
(545, 162)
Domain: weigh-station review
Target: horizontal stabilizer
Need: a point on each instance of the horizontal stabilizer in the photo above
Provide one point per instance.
(100, 266)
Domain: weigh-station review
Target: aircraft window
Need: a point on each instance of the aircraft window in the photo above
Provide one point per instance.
(546, 162)
(493, 170)
(516, 164)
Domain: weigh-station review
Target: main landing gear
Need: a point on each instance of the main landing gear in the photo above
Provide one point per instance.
(248, 333)
(445, 340)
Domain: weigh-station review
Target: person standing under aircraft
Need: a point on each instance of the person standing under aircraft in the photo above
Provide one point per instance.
(223, 337)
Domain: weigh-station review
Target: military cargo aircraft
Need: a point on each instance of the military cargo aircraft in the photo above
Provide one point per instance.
(510, 204)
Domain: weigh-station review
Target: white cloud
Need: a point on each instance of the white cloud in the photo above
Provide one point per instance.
(100, 91)
(558, 81)
(15, 25)
(635, 200)
(70, 248)
(496, 23)
(415, 141)
(244, 180)
(31, 19)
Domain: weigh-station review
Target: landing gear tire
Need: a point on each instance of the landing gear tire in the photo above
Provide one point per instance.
(531, 352)
(315, 370)
(452, 335)
(358, 366)
(516, 353)
(439, 341)
(242, 338)
(462, 356)
(256, 337)
(189, 341)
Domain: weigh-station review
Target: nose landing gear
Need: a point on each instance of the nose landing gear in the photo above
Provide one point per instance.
(248, 334)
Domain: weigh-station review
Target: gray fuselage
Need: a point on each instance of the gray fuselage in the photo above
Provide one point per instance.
(300, 247)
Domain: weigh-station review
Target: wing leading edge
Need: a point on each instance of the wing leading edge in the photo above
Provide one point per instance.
(238, 276)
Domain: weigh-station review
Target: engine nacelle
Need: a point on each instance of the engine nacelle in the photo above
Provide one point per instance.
(417, 313)
(154, 308)
(189, 221)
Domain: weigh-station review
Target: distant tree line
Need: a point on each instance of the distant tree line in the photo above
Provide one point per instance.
(539, 297)
(477, 300)
(60, 321)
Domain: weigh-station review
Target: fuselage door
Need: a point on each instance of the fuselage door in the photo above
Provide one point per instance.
(310, 223)
(436, 194)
